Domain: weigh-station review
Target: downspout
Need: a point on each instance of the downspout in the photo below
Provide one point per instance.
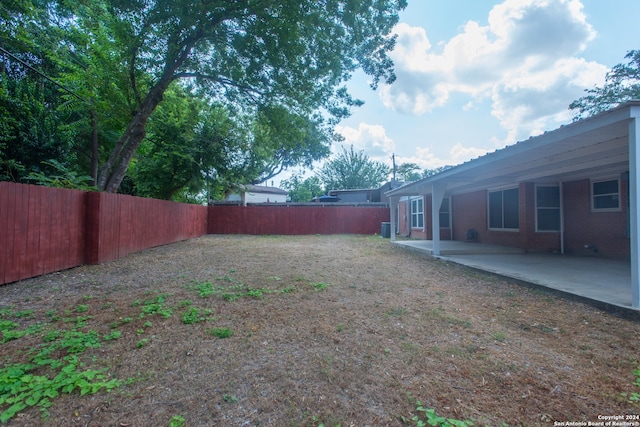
(437, 194)
(393, 208)
(634, 209)
(561, 218)
(409, 218)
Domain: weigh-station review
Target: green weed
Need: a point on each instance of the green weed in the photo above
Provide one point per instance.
(196, 315)
(255, 293)
(53, 366)
(112, 336)
(319, 286)
(229, 398)
(428, 417)
(177, 421)
(635, 396)
(221, 332)
(154, 306)
(205, 289)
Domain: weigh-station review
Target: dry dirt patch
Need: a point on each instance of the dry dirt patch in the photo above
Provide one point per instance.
(326, 329)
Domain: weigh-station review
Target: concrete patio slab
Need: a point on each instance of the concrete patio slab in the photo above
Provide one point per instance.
(604, 283)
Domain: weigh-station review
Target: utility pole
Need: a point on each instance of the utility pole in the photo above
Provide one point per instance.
(393, 160)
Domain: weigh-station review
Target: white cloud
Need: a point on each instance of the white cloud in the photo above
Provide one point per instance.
(372, 139)
(427, 159)
(525, 61)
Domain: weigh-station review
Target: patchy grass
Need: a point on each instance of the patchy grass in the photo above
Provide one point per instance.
(304, 331)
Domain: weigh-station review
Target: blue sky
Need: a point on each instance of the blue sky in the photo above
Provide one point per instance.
(474, 76)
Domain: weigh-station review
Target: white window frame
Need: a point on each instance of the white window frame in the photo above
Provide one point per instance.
(446, 202)
(417, 214)
(593, 195)
(501, 190)
(558, 208)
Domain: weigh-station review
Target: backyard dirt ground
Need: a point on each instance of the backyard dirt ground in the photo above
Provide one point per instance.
(310, 330)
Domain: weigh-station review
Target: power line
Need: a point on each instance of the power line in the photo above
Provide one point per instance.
(40, 73)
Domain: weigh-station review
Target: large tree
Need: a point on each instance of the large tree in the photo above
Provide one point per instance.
(621, 84)
(408, 172)
(257, 55)
(302, 190)
(352, 169)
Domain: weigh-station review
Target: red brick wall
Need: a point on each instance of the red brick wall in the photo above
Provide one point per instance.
(419, 233)
(606, 231)
(469, 211)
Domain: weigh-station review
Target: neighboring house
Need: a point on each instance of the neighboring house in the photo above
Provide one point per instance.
(571, 190)
(366, 195)
(257, 194)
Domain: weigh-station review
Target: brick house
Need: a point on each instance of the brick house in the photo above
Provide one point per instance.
(574, 190)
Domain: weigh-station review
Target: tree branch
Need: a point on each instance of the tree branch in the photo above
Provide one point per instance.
(222, 80)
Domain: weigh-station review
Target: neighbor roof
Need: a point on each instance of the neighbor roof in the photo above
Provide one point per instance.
(262, 189)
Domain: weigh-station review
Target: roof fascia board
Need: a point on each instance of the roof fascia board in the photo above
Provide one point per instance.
(624, 112)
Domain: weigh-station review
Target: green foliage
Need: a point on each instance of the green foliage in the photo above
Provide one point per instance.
(196, 315)
(53, 366)
(61, 177)
(430, 172)
(30, 129)
(622, 83)
(177, 421)
(428, 417)
(154, 306)
(351, 169)
(228, 398)
(302, 190)
(635, 396)
(221, 332)
(279, 69)
(408, 172)
(319, 286)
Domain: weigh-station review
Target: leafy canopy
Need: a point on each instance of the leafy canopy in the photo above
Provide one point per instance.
(622, 84)
(278, 67)
(302, 190)
(353, 170)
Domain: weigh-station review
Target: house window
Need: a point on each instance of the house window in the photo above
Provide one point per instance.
(504, 212)
(417, 213)
(605, 195)
(445, 210)
(548, 208)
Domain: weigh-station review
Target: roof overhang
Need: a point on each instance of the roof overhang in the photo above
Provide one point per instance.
(590, 148)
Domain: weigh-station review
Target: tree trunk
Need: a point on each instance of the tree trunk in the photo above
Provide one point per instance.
(113, 172)
(94, 148)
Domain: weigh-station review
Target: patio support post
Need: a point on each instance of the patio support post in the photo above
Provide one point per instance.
(437, 194)
(393, 207)
(634, 208)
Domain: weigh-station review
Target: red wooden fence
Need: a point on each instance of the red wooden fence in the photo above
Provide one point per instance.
(297, 220)
(118, 225)
(43, 229)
